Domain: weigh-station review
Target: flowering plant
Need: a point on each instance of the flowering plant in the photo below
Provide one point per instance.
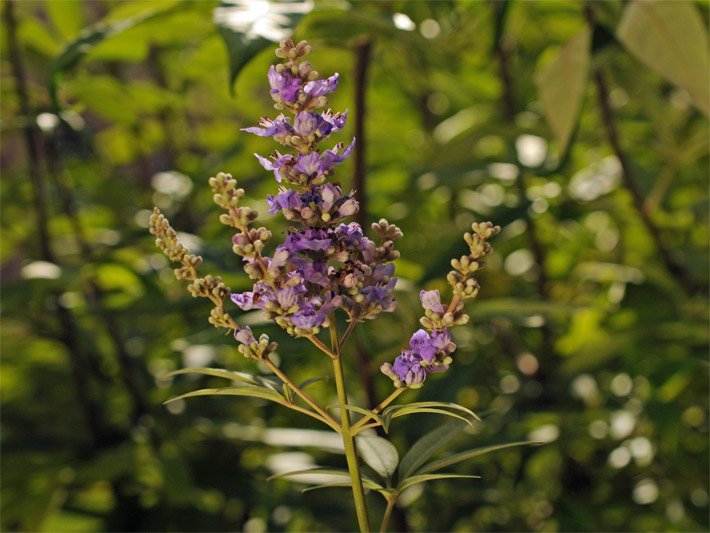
(325, 266)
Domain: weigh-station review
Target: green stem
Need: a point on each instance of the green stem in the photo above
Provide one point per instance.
(360, 424)
(324, 416)
(345, 432)
(388, 512)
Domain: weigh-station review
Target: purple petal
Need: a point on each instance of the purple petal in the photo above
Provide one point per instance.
(321, 87)
(431, 301)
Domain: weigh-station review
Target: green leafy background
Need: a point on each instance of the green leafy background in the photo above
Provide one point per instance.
(590, 332)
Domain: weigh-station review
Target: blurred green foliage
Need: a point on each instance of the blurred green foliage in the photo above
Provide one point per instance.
(590, 332)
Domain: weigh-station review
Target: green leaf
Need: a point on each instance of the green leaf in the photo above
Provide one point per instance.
(309, 381)
(380, 454)
(314, 470)
(254, 392)
(67, 16)
(561, 85)
(671, 39)
(416, 480)
(470, 454)
(248, 27)
(427, 446)
(87, 39)
(442, 408)
(370, 485)
(243, 377)
(366, 412)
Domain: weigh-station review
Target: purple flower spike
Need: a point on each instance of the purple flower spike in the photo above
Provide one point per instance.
(283, 85)
(321, 87)
(431, 301)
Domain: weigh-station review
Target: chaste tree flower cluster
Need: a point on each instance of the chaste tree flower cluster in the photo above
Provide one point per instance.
(324, 263)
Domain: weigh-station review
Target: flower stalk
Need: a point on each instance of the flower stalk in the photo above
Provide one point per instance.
(348, 435)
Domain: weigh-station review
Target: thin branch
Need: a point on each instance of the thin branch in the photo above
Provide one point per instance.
(304, 395)
(362, 423)
(69, 331)
(94, 292)
(674, 267)
(507, 100)
(321, 346)
(348, 332)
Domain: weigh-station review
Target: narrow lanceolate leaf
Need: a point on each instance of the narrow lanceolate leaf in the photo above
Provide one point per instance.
(309, 381)
(369, 485)
(378, 453)
(416, 480)
(254, 392)
(243, 377)
(318, 470)
(90, 37)
(671, 39)
(469, 454)
(560, 85)
(427, 446)
(315, 470)
(444, 408)
(247, 27)
(360, 410)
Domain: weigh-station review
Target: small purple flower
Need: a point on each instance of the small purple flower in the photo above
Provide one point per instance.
(307, 318)
(311, 271)
(286, 199)
(287, 297)
(310, 239)
(349, 234)
(337, 121)
(321, 87)
(431, 301)
(244, 300)
(421, 344)
(244, 336)
(409, 370)
(307, 123)
(275, 164)
(284, 86)
(332, 157)
(310, 164)
(278, 128)
(441, 340)
(348, 207)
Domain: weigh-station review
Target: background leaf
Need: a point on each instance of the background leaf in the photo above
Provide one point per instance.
(561, 85)
(427, 446)
(248, 27)
(671, 39)
(378, 453)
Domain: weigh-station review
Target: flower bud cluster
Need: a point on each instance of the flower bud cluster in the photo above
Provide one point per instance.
(430, 348)
(323, 264)
(461, 280)
(251, 348)
(211, 287)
